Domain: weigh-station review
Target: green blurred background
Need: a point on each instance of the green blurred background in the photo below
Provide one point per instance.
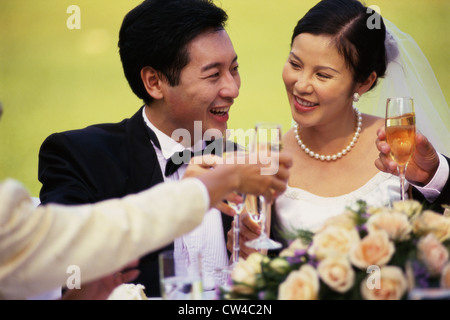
(55, 79)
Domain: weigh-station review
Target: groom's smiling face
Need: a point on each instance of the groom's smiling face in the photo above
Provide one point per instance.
(209, 83)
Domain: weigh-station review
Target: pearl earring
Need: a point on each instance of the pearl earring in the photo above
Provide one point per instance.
(356, 97)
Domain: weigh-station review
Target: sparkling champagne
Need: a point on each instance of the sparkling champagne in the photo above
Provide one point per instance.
(253, 206)
(401, 137)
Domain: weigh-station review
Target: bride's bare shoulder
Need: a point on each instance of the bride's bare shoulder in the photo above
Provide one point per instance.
(372, 122)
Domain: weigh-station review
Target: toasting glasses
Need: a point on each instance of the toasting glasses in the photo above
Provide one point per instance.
(236, 149)
(267, 140)
(401, 134)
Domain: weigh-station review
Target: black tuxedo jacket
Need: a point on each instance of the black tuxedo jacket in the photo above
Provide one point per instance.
(443, 199)
(101, 162)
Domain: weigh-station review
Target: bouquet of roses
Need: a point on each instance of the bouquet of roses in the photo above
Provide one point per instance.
(364, 253)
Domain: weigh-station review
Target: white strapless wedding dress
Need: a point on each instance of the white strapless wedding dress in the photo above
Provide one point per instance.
(298, 209)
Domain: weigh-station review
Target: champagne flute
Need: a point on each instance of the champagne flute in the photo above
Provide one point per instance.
(267, 140)
(235, 150)
(401, 134)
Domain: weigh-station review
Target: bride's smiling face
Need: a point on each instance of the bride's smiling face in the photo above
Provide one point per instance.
(319, 83)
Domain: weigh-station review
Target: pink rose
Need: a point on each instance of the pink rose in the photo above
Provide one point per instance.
(432, 253)
(445, 276)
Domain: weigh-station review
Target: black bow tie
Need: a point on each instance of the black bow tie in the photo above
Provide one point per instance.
(183, 157)
(177, 160)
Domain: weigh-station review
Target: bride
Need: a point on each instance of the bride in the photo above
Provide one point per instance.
(336, 66)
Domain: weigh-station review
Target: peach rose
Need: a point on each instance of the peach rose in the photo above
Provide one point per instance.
(392, 285)
(374, 249)
(333, 240)
(445, 276)
(396, 224)
(430, 221)
(337, 273)
(432, 253)
(300, 285)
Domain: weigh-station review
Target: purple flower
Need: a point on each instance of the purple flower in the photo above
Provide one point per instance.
(361, 228)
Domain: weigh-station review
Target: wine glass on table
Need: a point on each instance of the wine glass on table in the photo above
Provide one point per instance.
(401, 134)
(267, 141)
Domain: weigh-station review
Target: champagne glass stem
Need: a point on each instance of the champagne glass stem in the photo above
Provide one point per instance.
(263, 219)
(263, 236)
(401, 173)
(236, 230)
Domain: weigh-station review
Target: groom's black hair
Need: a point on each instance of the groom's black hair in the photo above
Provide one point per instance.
(157, 32)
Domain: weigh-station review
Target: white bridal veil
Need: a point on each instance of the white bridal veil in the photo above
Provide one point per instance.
(410, 74)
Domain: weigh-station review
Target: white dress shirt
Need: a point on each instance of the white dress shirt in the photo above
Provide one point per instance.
(208, 238)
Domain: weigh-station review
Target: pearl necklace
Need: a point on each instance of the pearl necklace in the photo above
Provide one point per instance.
(333, 156)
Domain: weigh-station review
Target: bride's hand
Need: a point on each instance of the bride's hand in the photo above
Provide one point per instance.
(249, 230)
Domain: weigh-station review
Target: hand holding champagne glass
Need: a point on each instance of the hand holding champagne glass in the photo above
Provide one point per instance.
(238, 152)
(401, 134)
(267, 140)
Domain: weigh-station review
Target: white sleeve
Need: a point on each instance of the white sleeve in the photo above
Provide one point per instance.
(37, 245)
(205, 192)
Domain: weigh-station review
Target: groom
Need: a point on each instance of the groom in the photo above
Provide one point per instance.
(177, 58)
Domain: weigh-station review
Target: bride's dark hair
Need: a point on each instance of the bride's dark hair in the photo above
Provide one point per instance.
(348, 22)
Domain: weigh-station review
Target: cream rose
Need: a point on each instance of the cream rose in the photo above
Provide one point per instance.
(396, 224)
(432, 253)
(244, 277)
(294, 247)
(337, 273)
(333, 240)
(377, 210)
(432, 222)
(345, 220)
(392, 285)
(374, 249)
(255, 260)
(446, 212)
(245, 271)
(300, 285)
(410, 207)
